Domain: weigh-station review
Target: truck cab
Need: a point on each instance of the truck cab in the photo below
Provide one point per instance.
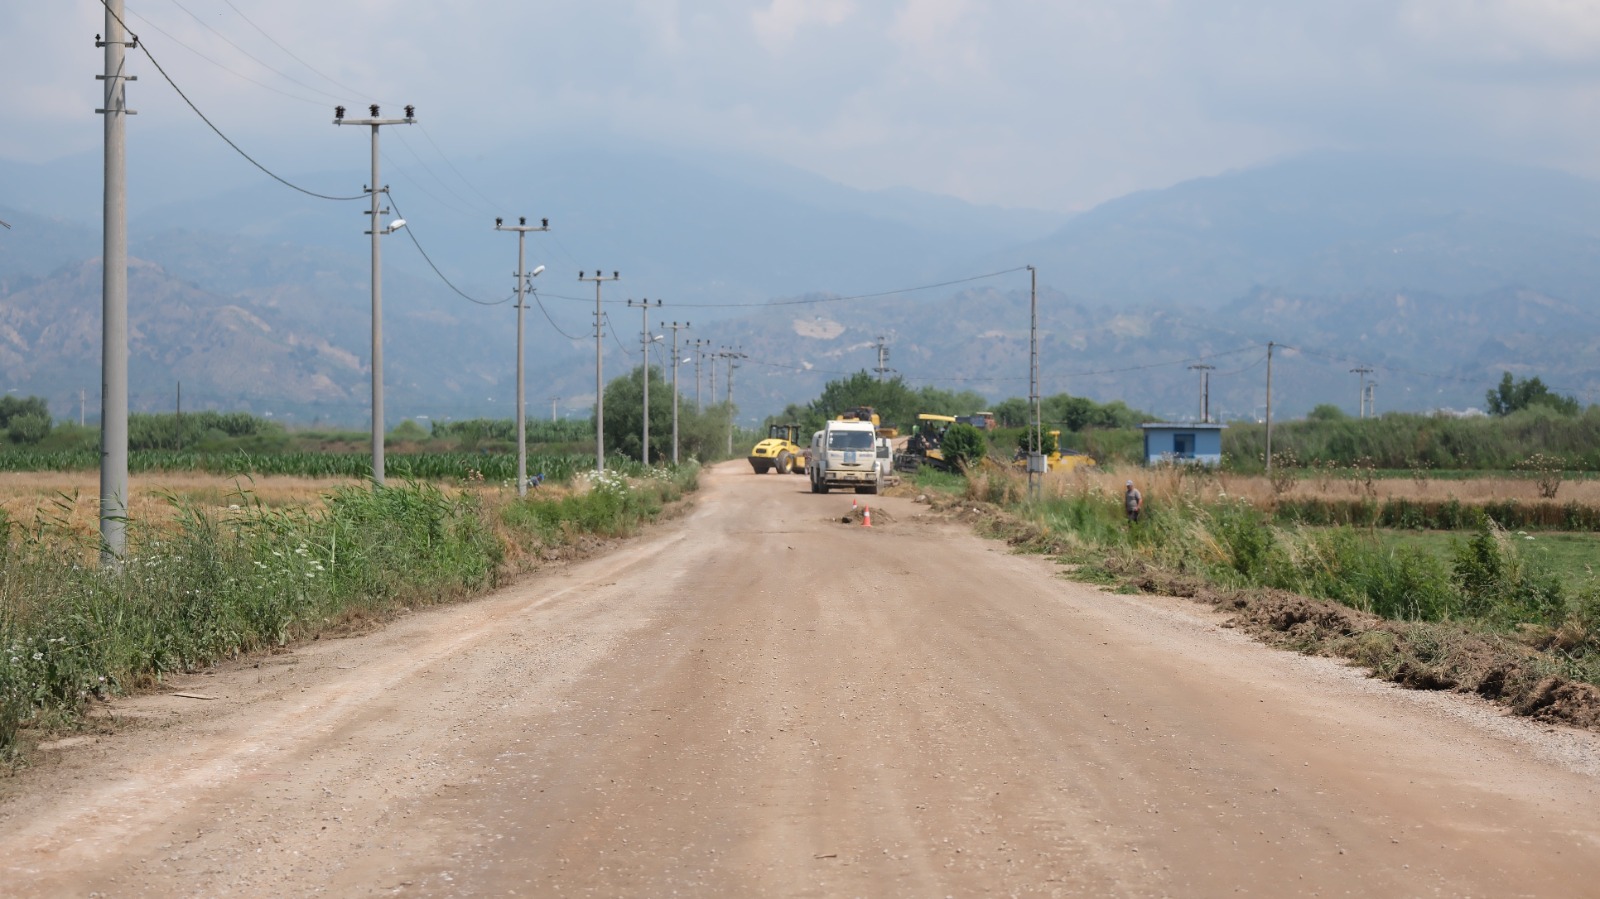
(845, 454)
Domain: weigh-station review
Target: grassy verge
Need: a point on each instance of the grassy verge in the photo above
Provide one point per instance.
(209, 585)
(1480, 614)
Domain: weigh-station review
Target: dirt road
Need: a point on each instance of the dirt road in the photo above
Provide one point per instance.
(758, 700)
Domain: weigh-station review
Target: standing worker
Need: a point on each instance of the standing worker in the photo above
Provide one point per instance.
(1133, 501)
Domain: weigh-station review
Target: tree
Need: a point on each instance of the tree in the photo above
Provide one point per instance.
(1025, 442)
(625, 415)
(964, 445)
(408, 431)
(1514, 395)
(1326, 412)
(25, 420)
(1013, 413)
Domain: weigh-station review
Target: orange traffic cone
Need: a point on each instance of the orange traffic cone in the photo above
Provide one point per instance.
(853, 504)
(866, 516)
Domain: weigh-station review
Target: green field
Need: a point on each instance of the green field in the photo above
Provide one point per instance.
(1571, 557)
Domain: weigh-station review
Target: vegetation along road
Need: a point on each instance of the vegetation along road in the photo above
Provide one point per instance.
(758, 699)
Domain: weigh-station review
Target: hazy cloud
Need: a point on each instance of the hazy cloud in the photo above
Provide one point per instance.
(1054, 103)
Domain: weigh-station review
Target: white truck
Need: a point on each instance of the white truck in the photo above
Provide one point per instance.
(845, 454)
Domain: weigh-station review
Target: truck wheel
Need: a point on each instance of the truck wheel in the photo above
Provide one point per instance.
(785, 462)
(871, 488)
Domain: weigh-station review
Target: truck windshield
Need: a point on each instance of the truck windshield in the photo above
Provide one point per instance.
(850, 440)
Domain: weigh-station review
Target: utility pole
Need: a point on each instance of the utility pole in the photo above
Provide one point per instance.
(699, 347)
(732, 356)
(675, 327)
(711, 376)
(114, 291)
(1036, 454)
(883, 368)
(1371, 398)
(599, 385)
(644, 353)
(523, 276)
(1269, 407)
(1363, 372)
(553, 401)
(180, 415)
(377, 274)
(82, 401)
(1205, 390)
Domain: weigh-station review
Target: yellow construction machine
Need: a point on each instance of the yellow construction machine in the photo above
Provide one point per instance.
(925, 445)
(867, 413)
(781, 450)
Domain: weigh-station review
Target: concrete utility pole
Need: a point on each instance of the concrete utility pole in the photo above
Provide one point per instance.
(883, 368)
(644, 352)
(180, 415)
(114, 292)
(675, 327)
(732, 356)
(699, 348)
(599, 384)
(1372, 402)
(1036, 462)
(523, 276)
(553, 401)
(1269, 406)
(1363, 372)
(377, 274)
(1205, 390)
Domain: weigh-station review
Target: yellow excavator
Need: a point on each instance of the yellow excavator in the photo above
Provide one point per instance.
(780, 450)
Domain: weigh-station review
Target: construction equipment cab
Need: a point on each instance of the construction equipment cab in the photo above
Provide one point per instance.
(780, 450)
(845, 454)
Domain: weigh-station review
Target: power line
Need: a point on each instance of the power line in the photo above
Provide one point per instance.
(252, 56)
(815, 300)
(552, 321)
(235, 73)
(236, 148)
(412, 233)
(314, 70)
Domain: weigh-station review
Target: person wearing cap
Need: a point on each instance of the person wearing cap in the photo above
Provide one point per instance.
(1133, 502)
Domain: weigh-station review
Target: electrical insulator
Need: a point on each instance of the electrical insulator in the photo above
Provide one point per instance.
(522, 220)
(338, 113)
(411, 111)
(373, 109)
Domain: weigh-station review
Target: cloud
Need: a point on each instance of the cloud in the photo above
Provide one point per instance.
(1020, 102)
(777, 25)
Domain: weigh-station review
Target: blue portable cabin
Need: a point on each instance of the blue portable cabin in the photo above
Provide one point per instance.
(1186, 442)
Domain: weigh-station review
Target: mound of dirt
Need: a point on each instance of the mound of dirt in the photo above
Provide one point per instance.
(854, 516)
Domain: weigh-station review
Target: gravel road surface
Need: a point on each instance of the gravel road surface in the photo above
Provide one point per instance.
(758, 700)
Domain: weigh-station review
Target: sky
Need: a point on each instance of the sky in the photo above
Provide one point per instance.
(1047, 104)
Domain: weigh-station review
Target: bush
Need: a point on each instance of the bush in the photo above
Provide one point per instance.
(963, 445)
(28, 429)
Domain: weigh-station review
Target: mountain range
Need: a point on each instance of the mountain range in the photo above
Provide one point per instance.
(1438, 274)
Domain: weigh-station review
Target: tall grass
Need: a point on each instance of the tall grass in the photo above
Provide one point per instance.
(214, 584)
(1228, 541)
(1412, 441)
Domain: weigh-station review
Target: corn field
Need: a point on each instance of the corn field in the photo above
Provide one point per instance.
(419, 466)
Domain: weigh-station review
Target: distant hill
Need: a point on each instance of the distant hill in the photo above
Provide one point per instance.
(1438, 274)
(1333, 224)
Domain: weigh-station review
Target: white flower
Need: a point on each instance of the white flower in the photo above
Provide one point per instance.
(38, 657)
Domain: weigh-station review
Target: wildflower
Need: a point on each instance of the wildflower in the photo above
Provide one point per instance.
(38, 657)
